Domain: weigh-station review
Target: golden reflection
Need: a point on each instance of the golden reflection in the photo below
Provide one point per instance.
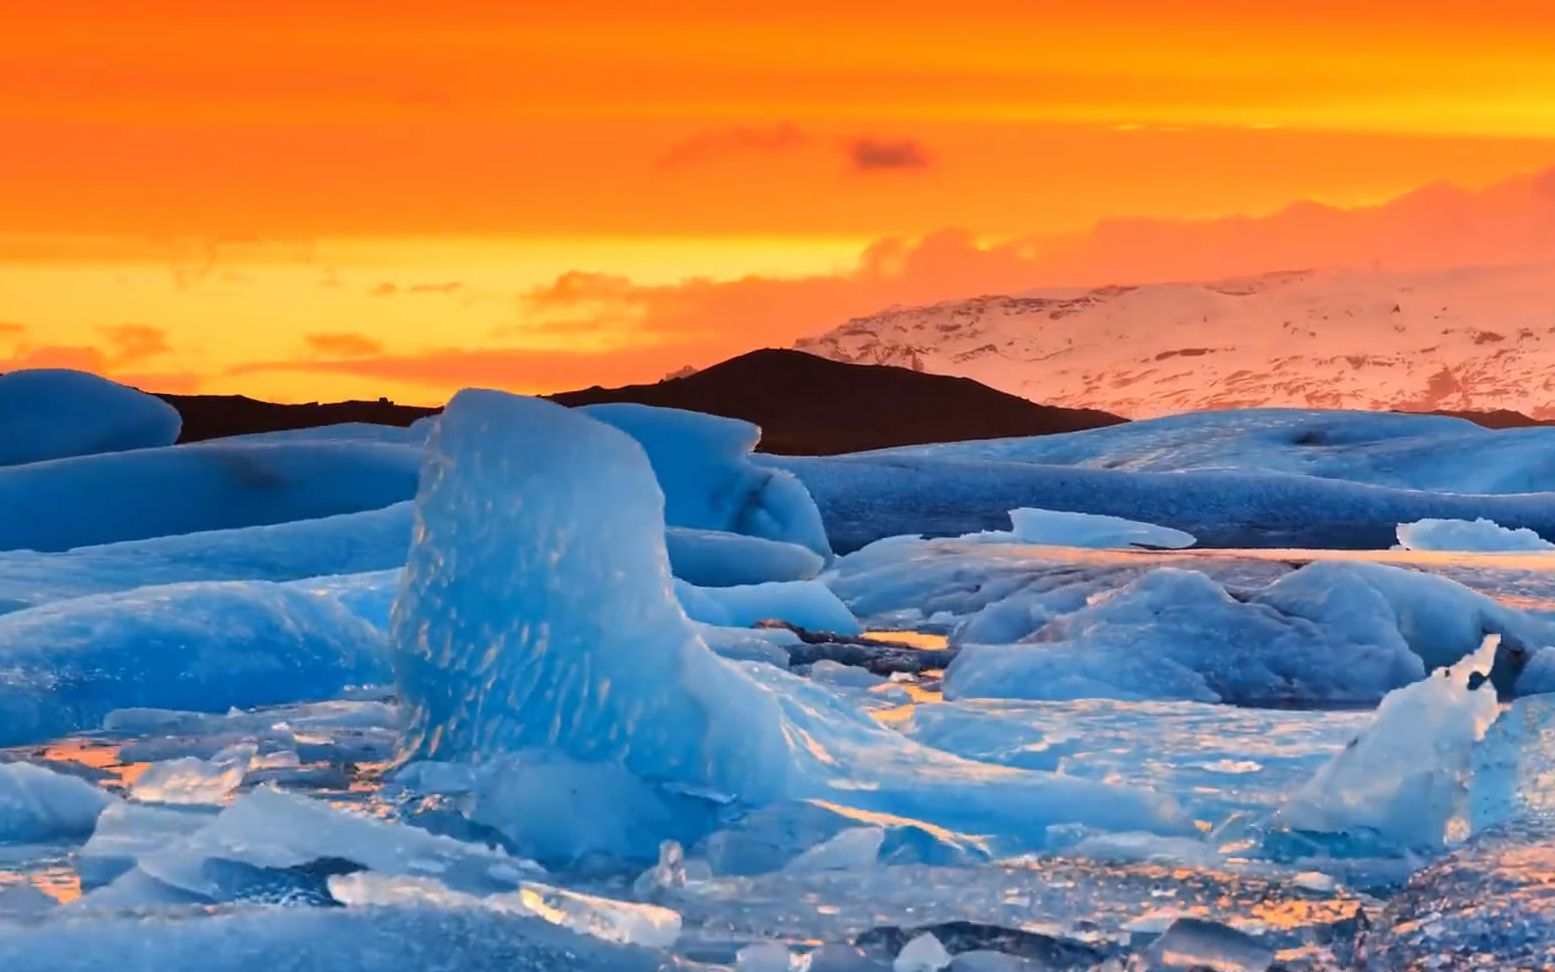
(97, 754)
(915, 639)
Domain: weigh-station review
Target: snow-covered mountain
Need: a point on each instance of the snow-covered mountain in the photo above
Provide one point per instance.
(1473, 338)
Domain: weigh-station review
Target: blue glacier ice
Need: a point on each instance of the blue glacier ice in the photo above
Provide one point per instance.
(350, 543)
(1480, 535)
(1406, 775)
(1419, 452)
(537, 612)
(38, 804)
(1330, 632)
(703, 464)
(91, 500)
(56, 413)
(713, 558)
(807, 604)
(291, 939)
(201, 646)
(1061, 529)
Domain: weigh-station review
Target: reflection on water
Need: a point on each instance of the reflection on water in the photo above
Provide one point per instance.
(914, 639)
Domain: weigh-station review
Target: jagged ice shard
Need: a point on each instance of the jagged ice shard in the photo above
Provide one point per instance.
(537, 612)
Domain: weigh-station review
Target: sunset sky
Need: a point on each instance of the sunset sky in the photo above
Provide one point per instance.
(331, 199)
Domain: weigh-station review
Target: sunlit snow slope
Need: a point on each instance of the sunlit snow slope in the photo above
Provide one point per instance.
(1476, 338)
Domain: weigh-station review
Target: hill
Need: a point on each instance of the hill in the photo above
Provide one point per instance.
(808, 405)
(805, 405)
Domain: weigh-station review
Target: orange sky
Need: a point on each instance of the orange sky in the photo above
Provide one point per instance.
(320, 199)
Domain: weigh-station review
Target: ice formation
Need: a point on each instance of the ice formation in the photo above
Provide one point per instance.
(350, 543)
(806, 604)
(1329, 632)
(38, 804)
(50, 413)
(1405, 777)
(196, 781)
(1479, 535)
(537, 612)
(711, 558)
(708, 480)
(201, 646)
(195, 488)
(1060, 529)
(620, 922)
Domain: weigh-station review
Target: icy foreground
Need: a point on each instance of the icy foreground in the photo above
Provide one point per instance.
(550, 622)
(1090, 785)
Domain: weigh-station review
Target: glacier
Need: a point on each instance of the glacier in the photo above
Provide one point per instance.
(193, 488)
(206, 646)
(57, 413)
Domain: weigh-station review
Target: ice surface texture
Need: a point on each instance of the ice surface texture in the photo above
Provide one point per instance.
(537, 611)
(966, 487)
(350, 543)
(1329, 633)
(202, 646)
(192, 488)
(52, 413)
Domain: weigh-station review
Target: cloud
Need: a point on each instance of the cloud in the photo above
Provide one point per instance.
(343, 344)
(77, 357)
(387, 289)
(737, 140)
(133, 343)
(880, 155)
(444, 370)
(6, 327)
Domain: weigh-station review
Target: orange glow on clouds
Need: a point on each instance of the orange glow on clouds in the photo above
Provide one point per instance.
(241, 179)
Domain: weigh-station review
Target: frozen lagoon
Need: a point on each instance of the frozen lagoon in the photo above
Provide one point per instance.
(584, 822)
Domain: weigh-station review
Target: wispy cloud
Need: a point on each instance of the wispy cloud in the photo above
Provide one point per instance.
(343, 344)
(718, 143)
(388, 289)
(134, 343)
(884, 155)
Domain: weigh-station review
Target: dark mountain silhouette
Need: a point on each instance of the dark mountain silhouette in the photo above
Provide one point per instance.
(218, 416)
(806, 405)
(1496, 418)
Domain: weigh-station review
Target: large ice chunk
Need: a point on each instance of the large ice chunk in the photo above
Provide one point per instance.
(806, 604)
(1481, 535)
(1060, 529)
(55, 413)
(538, 611)
(1405, 777)
(271, 830)
(201, 647)
(194, 488)
(704, 469)
(37, 804)
(712, 558)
